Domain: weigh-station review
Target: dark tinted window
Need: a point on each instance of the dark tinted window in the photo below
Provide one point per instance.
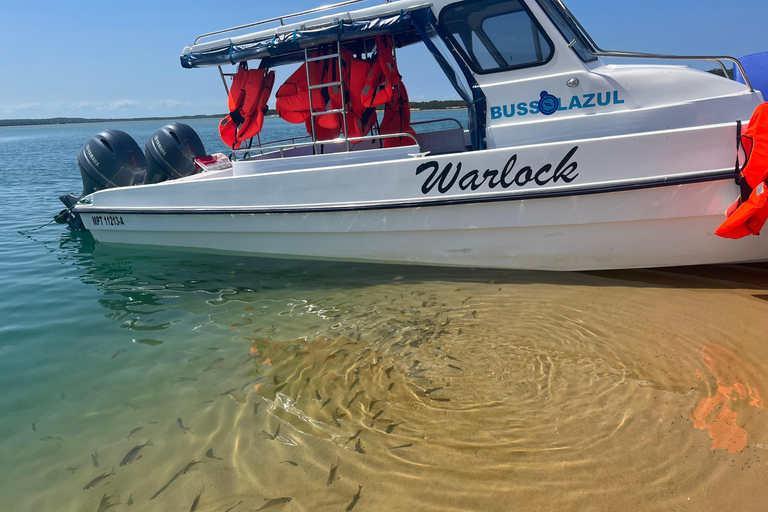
(495, 35)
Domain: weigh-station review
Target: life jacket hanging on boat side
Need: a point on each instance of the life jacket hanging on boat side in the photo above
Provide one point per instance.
(749, 213)
(248, 98)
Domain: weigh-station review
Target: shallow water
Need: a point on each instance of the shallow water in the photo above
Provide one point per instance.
(450, 389)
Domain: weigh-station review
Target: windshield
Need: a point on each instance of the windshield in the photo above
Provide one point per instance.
(570, 31)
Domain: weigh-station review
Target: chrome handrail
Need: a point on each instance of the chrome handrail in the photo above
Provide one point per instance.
(281, 18)
(635, 55)
(283, 147)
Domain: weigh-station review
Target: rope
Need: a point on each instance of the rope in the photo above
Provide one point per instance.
(54, 219)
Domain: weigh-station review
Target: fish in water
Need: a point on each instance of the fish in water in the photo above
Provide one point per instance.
(134, 431)
(98, 479)
(52, 438)
(355, 398)
(210, 455)
(135, 453)
(181, 424)
(402, 446)
(106, 502)
(233, 507)
(388, 371)
(392, 427)
(306, 382)
(355, 383)
(118, 354)
(455, 367)
(196, 502)
(317, 396)
(95, 459)
(326, 403)
(275, 502)
(294, 464)
(174, 477)
(267, 435)
(73, 469)
(391, 385)
(355, 498)
(355, 436)
(130, 500)
(34, 426)
(215, 364)
(332, 474)
(189, 466)
(359, 446)
(370, 405)
(375, 416)
(256, 408)
(336, 416)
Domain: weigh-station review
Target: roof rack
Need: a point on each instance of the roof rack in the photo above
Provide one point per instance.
(282, 19)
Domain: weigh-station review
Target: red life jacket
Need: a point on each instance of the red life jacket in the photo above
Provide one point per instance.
(293, 96)
(747, 217)
(383, 75)
(248, 98)
(397, 119)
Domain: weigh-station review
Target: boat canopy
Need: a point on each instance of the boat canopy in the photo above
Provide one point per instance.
(282, 44)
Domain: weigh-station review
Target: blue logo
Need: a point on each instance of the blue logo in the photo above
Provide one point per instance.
(548, 104)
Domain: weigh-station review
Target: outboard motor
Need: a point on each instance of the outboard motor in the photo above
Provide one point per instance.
(109, 159)
(171, 152)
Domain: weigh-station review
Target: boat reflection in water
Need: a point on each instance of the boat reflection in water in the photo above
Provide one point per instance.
(351, 386)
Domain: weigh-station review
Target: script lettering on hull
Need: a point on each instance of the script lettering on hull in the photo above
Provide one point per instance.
(453, 175)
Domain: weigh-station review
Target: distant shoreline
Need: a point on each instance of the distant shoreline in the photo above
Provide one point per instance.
(415, 105)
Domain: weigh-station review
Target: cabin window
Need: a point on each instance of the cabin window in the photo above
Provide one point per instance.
(496, 36)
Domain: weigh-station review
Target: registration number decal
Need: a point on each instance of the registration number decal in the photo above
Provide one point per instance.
(107, 220)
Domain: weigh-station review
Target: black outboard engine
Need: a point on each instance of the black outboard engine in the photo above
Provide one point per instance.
(171, 152)
(110, 159)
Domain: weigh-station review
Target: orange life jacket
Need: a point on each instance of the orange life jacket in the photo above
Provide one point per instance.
(383, 75)
(248, 98)
(747, 217)
(397, 119)
(293, 96)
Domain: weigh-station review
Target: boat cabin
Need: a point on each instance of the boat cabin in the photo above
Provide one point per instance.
(527, 70)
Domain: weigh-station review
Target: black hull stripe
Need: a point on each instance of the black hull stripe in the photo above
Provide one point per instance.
(568, 192)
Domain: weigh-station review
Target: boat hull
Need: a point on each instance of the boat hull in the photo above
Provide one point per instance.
(651, 227)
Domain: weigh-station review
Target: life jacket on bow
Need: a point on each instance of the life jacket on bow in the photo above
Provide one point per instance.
(248, 98)
(749, 213)
(382, 76)
(397, 119)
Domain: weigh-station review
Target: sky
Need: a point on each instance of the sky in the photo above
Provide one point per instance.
(120, 59)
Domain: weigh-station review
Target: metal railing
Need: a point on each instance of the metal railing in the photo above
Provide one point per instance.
(635, 55)
(282, 19)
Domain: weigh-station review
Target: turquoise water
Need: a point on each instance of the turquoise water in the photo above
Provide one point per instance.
(450, 389)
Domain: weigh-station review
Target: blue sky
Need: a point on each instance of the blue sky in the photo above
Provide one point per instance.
(121, 59)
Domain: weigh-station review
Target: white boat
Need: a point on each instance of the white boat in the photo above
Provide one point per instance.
(569, 163)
